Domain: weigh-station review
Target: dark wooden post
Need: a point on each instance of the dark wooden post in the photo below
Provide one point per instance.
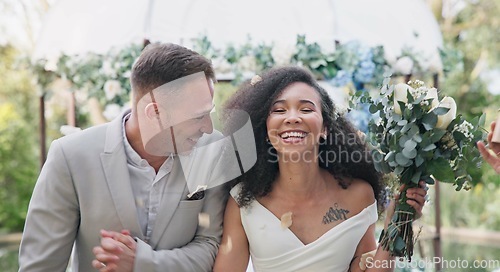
(437, 205)
(43, 149)
(437, 236)
(71, 114)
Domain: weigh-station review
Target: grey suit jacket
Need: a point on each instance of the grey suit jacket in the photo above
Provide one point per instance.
(84, 187)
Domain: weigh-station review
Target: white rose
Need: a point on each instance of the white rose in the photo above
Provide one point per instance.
(107, 69)
(401, 94)
(127, 74)
(51, 64)
(222, 66)
(432, 93)
(111, 111)
(404, 65)
(112, 88)
(444, 120)
(282, 53)
(390, 57)
(247, 64)
(81, 96)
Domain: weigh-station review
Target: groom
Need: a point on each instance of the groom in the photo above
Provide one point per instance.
(119, 194)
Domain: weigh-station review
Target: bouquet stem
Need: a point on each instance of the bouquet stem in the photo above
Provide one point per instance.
(398, 237)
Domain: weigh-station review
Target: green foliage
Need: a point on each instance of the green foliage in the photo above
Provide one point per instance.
(472, 39)
(477, 209)
(222, 92)
(18, 130)
(18, 170)
(8, 260)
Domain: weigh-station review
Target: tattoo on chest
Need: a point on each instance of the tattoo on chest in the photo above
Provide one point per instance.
(334, 214)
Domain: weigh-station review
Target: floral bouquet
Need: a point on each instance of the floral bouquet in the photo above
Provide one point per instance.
(418, 137)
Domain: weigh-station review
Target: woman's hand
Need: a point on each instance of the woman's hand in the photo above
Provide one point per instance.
(416, 198)
(491, 154)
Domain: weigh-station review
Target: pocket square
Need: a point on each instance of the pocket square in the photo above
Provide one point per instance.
(199, 193)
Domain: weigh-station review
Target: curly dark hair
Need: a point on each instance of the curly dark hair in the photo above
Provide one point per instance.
(256, 100)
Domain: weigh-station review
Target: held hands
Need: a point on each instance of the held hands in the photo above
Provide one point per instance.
(491, 154)
(116, 252)
(416, 199)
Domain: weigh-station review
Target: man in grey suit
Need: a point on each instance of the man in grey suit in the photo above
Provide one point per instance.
(117, 196)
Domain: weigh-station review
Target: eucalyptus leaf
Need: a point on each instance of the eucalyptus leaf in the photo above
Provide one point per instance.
(418, 160)
(440, 168)
(398, 170)
(441, 110)
(410, 144)
(409, 97)
(437, 134)
(406, 125)
(390, 156)
(397, 118)
(429, 147)
(429, 120)
(399, 245)
(417, 138)
(392, 163)
(416, 177)
(401, 159)
(409, 153)
(428, 180)
(481, 121)
(402, 123)
(413, 130)
(403, 140)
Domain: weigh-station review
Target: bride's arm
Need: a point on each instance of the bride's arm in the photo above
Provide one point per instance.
(233, 252)
(381, 260)
(366, 245)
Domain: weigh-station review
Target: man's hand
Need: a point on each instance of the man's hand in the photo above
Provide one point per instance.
(116, 252)
(491, 154)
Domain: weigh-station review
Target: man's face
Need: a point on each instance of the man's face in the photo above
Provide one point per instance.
(190, 117)
(178, 115)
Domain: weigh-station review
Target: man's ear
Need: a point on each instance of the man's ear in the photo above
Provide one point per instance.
(151, 111)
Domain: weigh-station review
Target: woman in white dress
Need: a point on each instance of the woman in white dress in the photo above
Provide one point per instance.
(310, 201)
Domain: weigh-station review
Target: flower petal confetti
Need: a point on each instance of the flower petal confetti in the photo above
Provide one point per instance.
(286, 220)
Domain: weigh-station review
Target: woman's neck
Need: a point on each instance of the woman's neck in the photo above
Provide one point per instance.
(300, 179)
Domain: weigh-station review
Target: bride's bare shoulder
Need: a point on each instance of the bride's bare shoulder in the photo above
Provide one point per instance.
(360, 192)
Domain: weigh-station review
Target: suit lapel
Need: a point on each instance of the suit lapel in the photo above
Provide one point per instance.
(114, 161)
(174, 192)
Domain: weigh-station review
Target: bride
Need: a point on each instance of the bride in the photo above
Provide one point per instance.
(310, 201)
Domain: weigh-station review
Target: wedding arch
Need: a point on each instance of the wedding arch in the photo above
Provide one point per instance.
(236, 35)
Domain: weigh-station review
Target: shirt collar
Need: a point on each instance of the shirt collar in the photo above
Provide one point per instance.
(134, 158)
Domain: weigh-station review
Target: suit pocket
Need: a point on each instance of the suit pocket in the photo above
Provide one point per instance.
(185, 222)
(191, 204)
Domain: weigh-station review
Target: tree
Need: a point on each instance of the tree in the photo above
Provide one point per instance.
(18, 130)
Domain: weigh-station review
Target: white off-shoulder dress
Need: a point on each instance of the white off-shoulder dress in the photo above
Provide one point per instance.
(273, 248)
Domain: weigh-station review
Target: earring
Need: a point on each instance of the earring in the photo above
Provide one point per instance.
(323, 136)
(267, 140)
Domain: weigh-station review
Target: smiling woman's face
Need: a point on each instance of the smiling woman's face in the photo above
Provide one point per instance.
(295, 122)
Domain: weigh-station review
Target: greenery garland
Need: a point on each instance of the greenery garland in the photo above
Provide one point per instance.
(106, 76)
